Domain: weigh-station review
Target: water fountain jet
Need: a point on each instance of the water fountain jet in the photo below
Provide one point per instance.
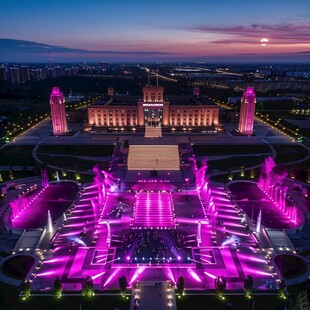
(49, 228)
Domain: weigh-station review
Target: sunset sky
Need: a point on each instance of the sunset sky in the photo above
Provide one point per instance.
(228, 30)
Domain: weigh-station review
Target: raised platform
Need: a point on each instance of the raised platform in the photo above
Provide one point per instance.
(153, 157)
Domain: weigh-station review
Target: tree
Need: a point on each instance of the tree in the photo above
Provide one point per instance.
(125, 144)
(11, 173)
(282, 288)
(77, 175)
(220, 285)
(252, 173)
(230, 175)
(57, 291)
(88, 287)
(24, 169)
(26, 289)
(248, 286)
(122, 284)
(181, 285)
(242, 171)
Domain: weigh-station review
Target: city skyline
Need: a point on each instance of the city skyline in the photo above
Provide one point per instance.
(145, 31)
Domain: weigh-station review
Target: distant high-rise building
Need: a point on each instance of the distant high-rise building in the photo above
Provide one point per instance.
(2, 73)
(37, 74)
(51, 73)
(67, 71)
(111, 91)
(57, 72)
(14, 74)
(104, 65)
(24, 74)
(196, 91)
(58, 111)
(74, 71)
(247, 111)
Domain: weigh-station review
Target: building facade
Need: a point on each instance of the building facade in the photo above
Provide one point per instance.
(14, 74)
(247, 111)
(24, 73)
(58, 112)
(153, 110)
(3, 73)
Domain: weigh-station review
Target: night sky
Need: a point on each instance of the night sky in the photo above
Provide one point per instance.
(167, 30)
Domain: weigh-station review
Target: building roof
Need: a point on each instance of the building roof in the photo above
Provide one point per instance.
(127, 100)
(189, 100)
(117, 100)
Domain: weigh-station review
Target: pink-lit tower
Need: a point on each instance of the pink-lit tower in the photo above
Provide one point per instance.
(247, 110)
(58, 110)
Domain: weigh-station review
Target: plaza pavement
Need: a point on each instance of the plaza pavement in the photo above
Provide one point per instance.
(41, 134)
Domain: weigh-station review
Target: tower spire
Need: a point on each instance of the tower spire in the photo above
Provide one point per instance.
(157, 78)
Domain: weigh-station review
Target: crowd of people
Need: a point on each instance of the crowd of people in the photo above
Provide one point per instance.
(150, 245)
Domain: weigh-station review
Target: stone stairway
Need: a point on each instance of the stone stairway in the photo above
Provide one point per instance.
(153, 132)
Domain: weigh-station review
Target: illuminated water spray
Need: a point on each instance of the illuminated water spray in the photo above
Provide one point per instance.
(266, 175)
(109, 232)
(258, 223)
(57, 176)
(272, 185)
(99, 182)
(49, 228)
(204, 190)
(199, 233)
(201, 175)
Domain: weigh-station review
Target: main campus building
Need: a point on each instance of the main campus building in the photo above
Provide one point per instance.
(119, 111)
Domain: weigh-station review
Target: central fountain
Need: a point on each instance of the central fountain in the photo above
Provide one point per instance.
(271, 184)
(204, 190)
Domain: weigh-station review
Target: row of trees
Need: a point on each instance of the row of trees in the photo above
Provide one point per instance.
(88, 287)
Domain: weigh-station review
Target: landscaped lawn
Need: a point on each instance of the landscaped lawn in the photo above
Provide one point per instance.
(234, 163)
(78, 150)
(289, 152)
(219, 150)
(70, 162)
(16, 155)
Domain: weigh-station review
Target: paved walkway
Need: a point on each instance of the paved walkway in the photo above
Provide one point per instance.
(153, 296)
